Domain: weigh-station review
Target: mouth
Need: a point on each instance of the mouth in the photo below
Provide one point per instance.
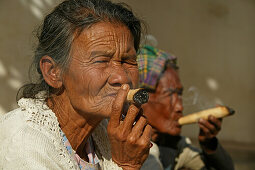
(179, 115)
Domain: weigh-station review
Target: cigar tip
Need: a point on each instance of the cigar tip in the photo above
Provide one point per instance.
(141, 97)
(230, 110)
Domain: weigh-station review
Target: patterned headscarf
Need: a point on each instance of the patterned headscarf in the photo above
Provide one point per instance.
(151, 63)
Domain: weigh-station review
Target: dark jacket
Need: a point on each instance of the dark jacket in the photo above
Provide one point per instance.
(179, 153)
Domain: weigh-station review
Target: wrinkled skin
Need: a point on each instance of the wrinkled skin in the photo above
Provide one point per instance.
(103, 58)
(133, 141)
(165, 108)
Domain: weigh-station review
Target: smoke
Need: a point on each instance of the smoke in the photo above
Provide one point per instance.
(150, 40)
(195, 100)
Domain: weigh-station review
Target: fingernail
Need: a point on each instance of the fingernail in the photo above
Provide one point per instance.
(124, 86)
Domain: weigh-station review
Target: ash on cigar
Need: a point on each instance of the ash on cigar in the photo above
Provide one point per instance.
(141, 97)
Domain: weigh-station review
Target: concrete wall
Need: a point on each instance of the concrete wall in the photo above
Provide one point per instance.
(213, 39)
(19, 20)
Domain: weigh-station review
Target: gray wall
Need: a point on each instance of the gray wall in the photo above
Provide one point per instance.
(213, 39)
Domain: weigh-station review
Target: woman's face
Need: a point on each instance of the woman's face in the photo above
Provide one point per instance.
(103, 58)
(165, 105)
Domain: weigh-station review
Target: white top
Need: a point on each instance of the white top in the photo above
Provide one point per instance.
(30, 139)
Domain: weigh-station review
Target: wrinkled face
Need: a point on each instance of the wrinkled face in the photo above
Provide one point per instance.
(165, 105)
(103, 58)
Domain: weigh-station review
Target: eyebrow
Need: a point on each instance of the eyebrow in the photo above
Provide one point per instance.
(111, 53)
(129, 55)
(170, 88)
(104, 53)
(176, 90)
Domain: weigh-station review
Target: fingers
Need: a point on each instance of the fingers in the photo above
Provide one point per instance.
(141, 134)
(130, 143)
(134, 127)
(139, 127)
(205, 132)
(210, 127)
(147, 132)
(130, 118)
(146, 137)
(118, 105)
(216, 122)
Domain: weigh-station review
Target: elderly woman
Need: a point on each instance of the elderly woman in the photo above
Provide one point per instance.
(86, 61)
(159, 74)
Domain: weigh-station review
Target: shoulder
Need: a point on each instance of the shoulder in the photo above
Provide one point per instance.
(184, 143)
(19, 141)
(185, 146)
(30, 138)
(26, 122)
(189, 156)
(10, 123)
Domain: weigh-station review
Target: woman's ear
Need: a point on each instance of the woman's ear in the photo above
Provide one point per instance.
(51, 72)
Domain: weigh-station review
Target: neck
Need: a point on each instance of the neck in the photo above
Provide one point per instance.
(76, 127)
(168, 140)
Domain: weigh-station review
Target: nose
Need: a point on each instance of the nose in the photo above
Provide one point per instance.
(177, 103)
(118, 76)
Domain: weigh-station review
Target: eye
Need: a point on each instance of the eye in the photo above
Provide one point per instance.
(166, 92)
(179, 91)
(130, 61)
(101, 60)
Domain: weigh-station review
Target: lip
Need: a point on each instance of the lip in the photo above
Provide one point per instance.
(178, 125)
(179, 116)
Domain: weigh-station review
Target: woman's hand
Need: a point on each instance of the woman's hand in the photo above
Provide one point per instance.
(208, 132)
(130, 143)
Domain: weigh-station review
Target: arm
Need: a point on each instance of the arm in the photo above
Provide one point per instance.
(213, 152)
(219, 159)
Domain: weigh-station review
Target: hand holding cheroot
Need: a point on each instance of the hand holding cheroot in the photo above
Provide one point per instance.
(130, 141)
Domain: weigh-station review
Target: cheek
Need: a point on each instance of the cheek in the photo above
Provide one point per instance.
(159, 110)
(95, 80)
(166, 107)
(166, 112)
(73, 80)
(85, 81)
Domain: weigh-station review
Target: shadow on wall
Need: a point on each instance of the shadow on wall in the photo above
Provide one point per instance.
(19, 21)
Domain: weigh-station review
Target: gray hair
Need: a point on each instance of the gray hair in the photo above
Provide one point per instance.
(59, 29)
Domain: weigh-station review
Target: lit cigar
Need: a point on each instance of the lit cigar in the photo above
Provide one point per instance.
(138, 96)
(218, 112)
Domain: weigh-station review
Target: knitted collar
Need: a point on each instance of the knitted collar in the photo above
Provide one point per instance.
(40, 116)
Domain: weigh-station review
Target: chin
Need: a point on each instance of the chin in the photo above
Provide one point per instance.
(175, 132)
